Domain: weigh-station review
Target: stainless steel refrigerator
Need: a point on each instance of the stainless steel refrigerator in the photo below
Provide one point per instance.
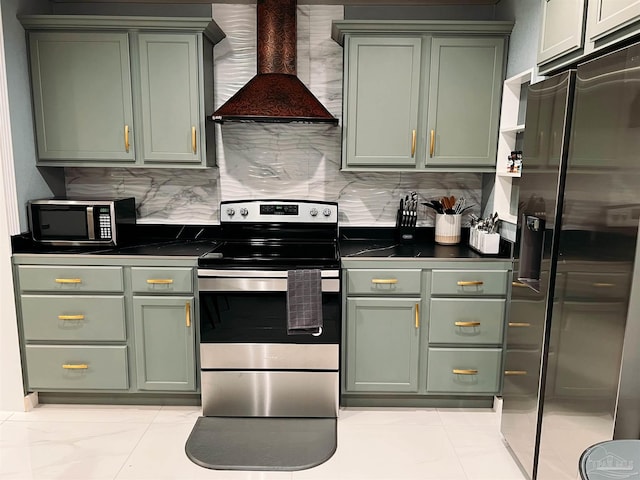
(572, 369)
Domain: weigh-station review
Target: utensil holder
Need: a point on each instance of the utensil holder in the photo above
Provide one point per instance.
(484, 242)
(448, 228)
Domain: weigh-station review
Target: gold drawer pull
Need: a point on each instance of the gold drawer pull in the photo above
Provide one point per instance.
(160, 281)
(470, 283)
(71, 317)
(515, 372)
(68, 280)
(604, 285)
(467, 324)
(417, 315)
(384, 281)
(459, 371)
(519, 324)
(75, 366)
(126, 138)
(194, 146)
(187, 312)
(518, 284)
(413, 143)
(432, 143)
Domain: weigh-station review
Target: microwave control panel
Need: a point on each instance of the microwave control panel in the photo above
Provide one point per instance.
(104, 223)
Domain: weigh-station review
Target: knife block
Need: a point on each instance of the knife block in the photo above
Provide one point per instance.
(404, 233)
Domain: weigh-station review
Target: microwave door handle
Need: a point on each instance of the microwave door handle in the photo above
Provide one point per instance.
(91, 224)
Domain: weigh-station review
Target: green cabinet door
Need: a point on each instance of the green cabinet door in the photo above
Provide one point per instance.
(608, 16)
(464, 102)
(164, 343)
(381, 117)
(382, 344)
(561, 28)
(81, 87)
(170, 100)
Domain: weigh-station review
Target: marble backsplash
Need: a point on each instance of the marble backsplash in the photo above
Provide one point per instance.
(279, 161)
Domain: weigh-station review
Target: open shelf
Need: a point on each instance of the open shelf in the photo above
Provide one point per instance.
(510, 134)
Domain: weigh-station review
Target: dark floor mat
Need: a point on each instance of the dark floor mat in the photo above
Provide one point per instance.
(261, 443)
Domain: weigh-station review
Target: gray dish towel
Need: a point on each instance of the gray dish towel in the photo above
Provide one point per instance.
(304, 302)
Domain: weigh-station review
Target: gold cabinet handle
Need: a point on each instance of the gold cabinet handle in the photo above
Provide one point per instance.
(464, 371)
(70, 317)
(515, 372)
(75, 366)
(432, 143)
(417, 315)
(160, 281)
(187, 313)
(519, 324)
(126, 138)
(604, 285)
(470, 283)
(384, 281)
(518, 284)
(467, 324)
(68, 280)
(194, 146)
(413, 143)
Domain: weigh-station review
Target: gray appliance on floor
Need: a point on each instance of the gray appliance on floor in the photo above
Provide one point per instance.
(573, 342)
(270, 327)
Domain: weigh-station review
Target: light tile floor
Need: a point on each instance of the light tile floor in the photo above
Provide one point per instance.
(84, 442)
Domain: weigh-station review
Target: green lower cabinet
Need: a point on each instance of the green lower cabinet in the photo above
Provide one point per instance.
(464, 370)
(466, 321)
(69, 367)
(382, 344)
(164, 343)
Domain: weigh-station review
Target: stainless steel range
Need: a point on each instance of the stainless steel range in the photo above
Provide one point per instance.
(251, 366)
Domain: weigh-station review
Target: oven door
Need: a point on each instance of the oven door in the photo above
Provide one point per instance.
(250, 366)
(238, 306)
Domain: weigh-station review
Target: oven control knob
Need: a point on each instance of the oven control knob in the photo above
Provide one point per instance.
(244, 212)
(231, 212)
(313, 212)
(326, 212)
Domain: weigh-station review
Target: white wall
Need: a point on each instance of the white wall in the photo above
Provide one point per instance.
(30, 182)
(11, 389)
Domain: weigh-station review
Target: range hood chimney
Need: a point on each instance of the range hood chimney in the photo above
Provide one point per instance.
(275, 94)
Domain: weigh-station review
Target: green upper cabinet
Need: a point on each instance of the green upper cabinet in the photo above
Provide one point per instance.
(574, 30)
(170, 99)
(421, 95)
(561, 29)
(382, 101)
(609, 16)
(82, 96)
(109, 91)
(164, 343)
(464, 102)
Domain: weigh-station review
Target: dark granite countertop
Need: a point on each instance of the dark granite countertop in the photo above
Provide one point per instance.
(364, 242)
(194, 241)
(158, 240)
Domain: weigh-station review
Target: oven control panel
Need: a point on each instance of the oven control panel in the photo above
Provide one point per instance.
(282, 211)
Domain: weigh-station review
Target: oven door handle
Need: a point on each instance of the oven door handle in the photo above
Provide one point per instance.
(227, 284)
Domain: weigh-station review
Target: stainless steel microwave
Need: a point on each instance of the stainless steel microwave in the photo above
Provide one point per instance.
(79, 221)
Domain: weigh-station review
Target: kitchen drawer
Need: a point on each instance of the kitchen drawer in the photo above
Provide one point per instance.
(466, 321)
(383, 282)
(597, 286)
(469, 282)
(77, 367)
(53, 278)
(464, 370)
(161, 280)
(73, 317)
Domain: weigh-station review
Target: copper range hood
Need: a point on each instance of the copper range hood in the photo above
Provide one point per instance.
(275, 94)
